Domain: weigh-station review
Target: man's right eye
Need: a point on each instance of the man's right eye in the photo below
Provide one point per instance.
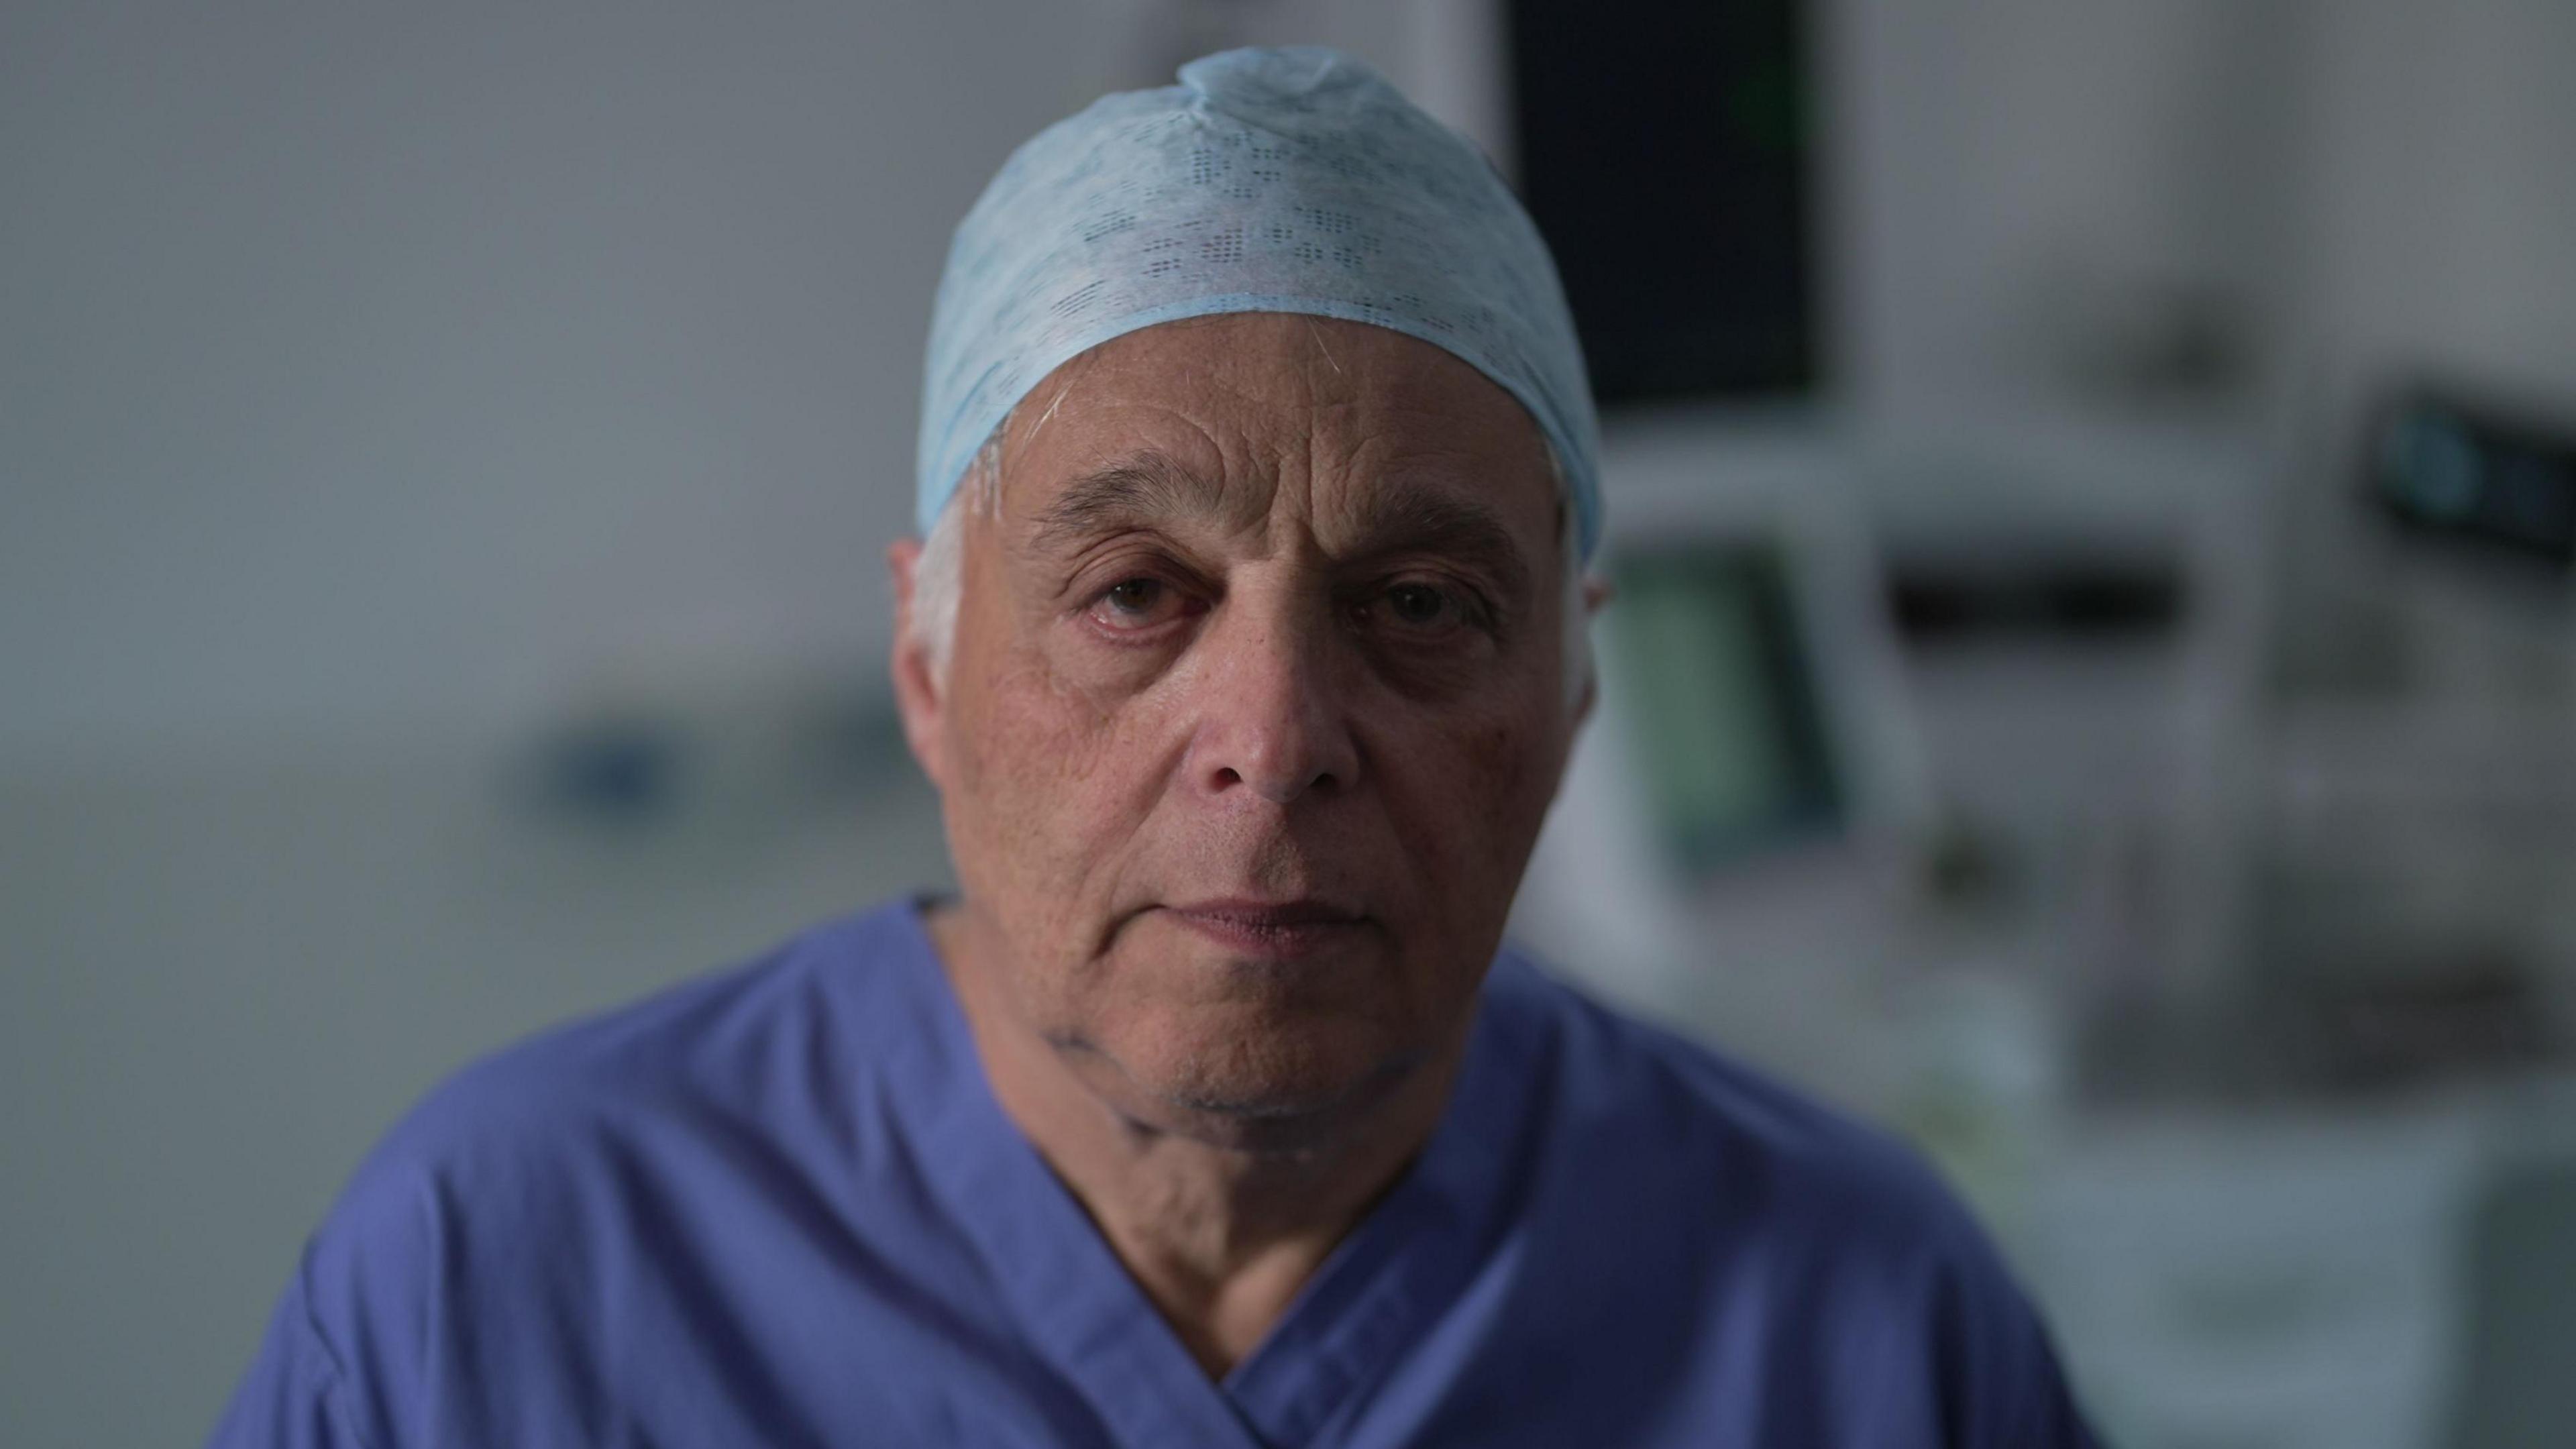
(1138, 603)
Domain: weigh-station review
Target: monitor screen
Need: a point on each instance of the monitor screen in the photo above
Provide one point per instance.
(1721, 702)
(1663, 153)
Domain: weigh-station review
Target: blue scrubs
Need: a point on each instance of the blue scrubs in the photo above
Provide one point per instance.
(780, 1206)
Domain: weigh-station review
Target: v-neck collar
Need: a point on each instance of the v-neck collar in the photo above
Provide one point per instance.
(1382, 1287)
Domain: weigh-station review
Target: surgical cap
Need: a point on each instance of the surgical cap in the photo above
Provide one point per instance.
(1271, 179)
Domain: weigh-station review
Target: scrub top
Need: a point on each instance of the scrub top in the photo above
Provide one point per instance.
(781, 1206)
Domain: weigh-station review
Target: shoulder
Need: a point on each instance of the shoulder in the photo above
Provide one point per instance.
(1741, 1198)
(732, 1041)
(1714, 1125)
(530, 1172)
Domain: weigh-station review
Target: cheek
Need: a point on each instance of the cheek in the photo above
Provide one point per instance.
(1468, 795)
(1024, 748)
(1043, 800)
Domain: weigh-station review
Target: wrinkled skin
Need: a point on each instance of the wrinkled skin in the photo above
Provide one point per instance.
(1306, 648)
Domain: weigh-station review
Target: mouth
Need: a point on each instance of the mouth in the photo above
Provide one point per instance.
(1276, 930)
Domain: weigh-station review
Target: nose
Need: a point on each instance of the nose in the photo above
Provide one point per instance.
(1271, 719)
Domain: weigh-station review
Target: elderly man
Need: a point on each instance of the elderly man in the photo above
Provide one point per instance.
(1245, 649)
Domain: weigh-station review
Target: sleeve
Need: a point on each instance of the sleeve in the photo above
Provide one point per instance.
(292, 1396)
(432, 1302)
(348, 1354)
(1999, 1380)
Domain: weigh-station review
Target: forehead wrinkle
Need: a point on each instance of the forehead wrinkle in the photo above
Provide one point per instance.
(1140, 490)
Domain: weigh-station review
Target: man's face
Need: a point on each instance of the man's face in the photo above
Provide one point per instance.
(1254, 708)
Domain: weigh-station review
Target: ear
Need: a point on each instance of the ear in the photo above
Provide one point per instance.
(920, 695)
(1597, 593)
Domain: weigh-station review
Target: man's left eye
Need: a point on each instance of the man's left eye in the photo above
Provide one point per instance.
(1424, 606)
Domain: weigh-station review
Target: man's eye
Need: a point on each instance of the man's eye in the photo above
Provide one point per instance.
(1135, 603)
(1421, 606)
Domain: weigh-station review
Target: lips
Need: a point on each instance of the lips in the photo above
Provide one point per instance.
(1282, 930)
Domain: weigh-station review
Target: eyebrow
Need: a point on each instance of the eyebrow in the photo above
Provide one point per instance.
(1148, 490)
(1417, 518)
(1137, 491)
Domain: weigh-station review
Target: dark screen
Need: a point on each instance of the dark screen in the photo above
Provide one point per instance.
(1663, 154)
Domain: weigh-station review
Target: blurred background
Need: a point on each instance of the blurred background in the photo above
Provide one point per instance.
(2093, 490)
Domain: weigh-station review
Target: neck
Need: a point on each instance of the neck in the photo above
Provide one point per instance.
(1220, 1237)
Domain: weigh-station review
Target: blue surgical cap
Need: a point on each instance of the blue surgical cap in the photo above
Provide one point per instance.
(1271, 179)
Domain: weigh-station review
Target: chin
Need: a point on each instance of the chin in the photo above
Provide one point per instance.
(1274, 1088)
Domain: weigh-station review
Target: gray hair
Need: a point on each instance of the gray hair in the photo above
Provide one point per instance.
(938, 575)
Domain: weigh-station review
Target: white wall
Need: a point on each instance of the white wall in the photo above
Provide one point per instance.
(378, 364)
(2439, 205)
(2009, 178)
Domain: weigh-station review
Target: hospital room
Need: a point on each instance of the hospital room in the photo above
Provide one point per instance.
(2068, 516)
